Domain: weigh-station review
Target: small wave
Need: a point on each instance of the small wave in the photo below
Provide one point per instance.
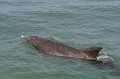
(104, 57)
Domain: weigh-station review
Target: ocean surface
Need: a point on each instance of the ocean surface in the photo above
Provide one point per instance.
(77, 23)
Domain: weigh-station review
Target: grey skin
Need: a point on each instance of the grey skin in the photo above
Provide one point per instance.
(59, 49)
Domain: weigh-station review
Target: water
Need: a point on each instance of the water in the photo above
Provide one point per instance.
(78, 23)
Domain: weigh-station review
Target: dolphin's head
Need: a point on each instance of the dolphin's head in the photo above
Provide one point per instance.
(30, 39)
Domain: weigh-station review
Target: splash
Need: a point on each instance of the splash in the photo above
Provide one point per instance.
(22, 36)
(104, 58)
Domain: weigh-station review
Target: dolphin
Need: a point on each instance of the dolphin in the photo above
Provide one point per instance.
(59, 49)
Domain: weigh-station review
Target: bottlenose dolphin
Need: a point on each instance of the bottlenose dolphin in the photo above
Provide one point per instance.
(59, 49)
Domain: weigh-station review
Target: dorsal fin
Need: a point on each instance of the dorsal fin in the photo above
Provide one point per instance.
(92, 51)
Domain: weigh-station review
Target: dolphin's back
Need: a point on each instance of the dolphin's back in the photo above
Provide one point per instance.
(56, 48)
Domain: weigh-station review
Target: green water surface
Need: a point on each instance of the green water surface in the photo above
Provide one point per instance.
(77, 23)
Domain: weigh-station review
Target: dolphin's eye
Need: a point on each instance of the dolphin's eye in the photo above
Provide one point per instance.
(29, 38)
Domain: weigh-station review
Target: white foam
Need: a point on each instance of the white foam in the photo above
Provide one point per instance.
(22, 36)
(103, 57)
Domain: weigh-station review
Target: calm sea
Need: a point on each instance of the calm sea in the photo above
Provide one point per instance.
(77, 23)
